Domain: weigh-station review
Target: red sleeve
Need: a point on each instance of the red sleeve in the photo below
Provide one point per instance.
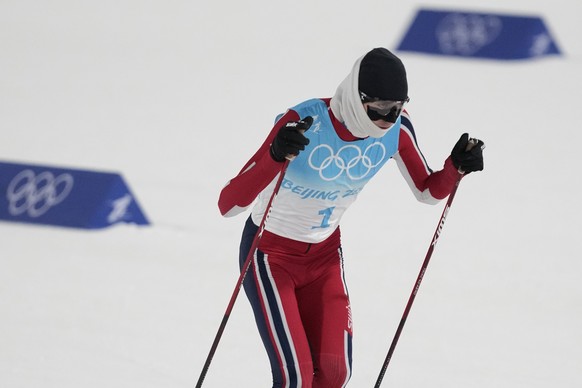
(428, 186)
(240, 192)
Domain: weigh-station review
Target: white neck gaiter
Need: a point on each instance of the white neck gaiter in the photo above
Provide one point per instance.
(347, 106)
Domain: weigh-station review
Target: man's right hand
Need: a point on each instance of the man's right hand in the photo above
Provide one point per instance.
(290, 140)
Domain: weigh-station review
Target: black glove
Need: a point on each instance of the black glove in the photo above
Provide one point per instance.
(467, 155)
(290, 140)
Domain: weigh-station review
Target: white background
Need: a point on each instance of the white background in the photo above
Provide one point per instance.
(176, 95)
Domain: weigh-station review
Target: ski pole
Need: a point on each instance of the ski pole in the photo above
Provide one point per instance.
(241, 278)
(435, 238)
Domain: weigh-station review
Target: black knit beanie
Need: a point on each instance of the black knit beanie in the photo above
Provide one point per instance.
(382, 75)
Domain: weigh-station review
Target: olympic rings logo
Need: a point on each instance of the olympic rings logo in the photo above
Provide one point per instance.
(466, 34)
(36, 194)
(349, 159)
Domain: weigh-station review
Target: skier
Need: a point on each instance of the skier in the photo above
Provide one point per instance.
(296, 285)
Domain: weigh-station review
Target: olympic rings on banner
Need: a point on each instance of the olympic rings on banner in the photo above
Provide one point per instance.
(36, 194)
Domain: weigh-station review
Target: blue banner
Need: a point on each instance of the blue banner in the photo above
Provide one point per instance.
(479, 35)
(66, 197)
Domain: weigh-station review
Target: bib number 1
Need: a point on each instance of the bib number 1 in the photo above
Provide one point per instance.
(326, 213)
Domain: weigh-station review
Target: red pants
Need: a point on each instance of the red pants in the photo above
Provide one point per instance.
(301, 306)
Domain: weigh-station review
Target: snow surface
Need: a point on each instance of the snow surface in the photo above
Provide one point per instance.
(176, 95)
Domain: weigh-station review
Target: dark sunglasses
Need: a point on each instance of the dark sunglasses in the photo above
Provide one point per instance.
(383, 109)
